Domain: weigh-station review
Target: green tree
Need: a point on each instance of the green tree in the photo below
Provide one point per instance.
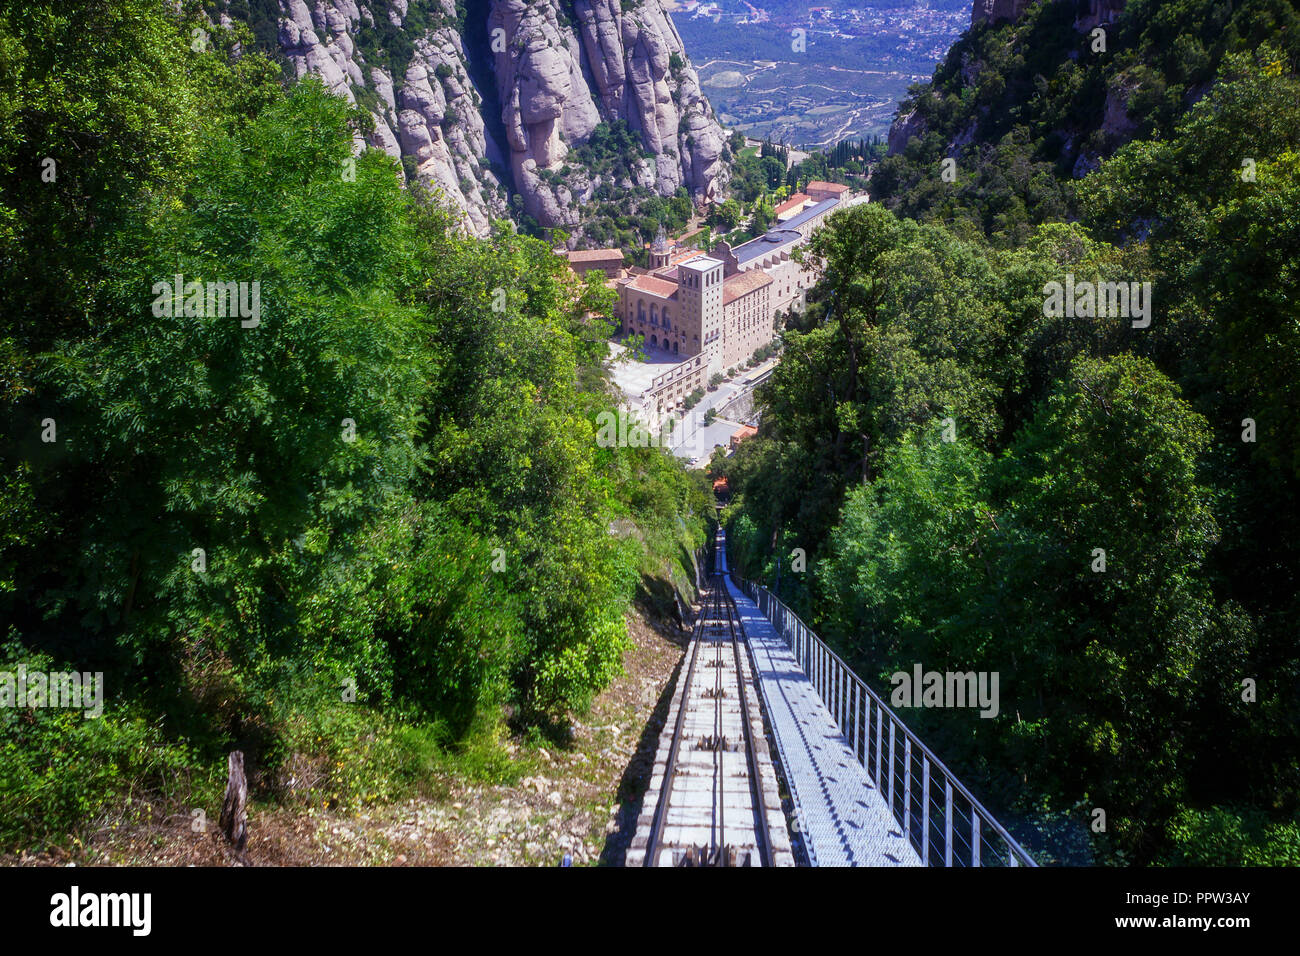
(1108, 616)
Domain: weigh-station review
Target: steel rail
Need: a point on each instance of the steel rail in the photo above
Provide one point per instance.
(670, 766)
(720, 746)
(719, 610)
(758, 803)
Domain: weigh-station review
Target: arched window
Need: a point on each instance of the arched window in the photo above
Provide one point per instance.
(654, 340)
(674, 348)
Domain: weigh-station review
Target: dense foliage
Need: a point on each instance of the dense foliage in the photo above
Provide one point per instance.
(1026, 108)
(767, 174)
(1103, 514)
(356, 525)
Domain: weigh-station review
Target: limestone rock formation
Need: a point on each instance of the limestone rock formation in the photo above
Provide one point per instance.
(557, 80)
(1091, 13)
(905, 126)
(997, 10)
(1116, 122)
(429, 118)
(1094, 13)
(496, 102)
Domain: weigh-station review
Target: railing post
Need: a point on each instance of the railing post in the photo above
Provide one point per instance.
(826, 677)
(853, 703)
(947, 821)
(814, 664)
(830, 682)
(866, 734)
(845, 691)
(907, 788)
(891, 766)
(864, 728)
(859, 700)
(925, 810)
(974, 837)
(832, 677)
(839, 694)
(880, 732)
(821, 671)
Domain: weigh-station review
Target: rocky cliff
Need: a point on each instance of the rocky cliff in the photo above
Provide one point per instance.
(996, 11)
(913, 117)
(487, 100)
(1090, 13)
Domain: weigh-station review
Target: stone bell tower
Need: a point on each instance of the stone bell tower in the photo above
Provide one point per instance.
(659, 250)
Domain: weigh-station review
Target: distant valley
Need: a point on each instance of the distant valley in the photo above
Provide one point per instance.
(855, 64)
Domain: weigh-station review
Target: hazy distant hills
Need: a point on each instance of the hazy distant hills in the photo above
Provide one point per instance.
(841, 78)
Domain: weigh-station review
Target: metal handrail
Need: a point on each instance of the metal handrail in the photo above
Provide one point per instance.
(850, 702)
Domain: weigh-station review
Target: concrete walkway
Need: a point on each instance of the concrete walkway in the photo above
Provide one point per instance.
(843, 819)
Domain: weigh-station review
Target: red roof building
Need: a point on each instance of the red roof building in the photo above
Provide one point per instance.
(743, 283)
(819, 189)
(792, 205)
(609, 261)
(741, 433)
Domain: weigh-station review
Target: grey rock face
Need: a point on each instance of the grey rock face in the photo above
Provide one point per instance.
(905, 126)
(1116, 122)
(559, 79)
(559, 69)
(430, 121)
(997, 10)
(1098, 13)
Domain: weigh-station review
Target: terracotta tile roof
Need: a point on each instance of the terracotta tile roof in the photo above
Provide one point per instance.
(821, 184)
(596, 255)
(655, 286)
(794, 202)
(743, 283)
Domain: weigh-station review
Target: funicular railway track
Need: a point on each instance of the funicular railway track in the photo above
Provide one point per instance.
(713, 796)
